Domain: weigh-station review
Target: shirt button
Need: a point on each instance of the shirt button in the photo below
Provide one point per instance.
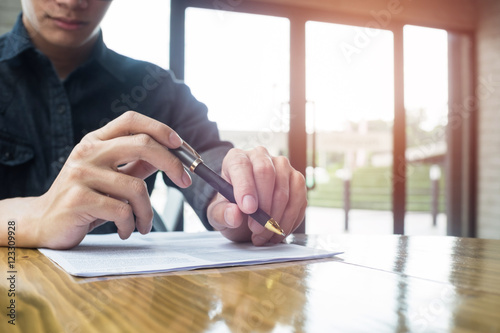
(62, 160)
(7, 156)
(61, 109)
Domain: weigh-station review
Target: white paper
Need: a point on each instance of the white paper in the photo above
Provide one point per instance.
(99, 255)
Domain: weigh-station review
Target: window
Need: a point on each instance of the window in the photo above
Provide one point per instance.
(139, 29)
(350, 112)
(238, 65)
(237, 61)
(426, 105)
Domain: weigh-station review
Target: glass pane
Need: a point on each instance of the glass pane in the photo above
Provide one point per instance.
(350, 94)
(238, 65)
(139, 29)
(426, 104)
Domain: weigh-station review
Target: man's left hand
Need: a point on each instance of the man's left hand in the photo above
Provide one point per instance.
(259, 180)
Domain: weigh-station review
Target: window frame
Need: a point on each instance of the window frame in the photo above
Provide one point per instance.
(462, 181)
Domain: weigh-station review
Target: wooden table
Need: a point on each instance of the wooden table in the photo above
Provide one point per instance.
(380, 284)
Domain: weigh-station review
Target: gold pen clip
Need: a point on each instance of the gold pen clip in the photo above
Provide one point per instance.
(197, 158)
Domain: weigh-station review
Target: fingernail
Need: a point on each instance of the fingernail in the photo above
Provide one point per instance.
(175, 139)
(249, 203)
(186, 178)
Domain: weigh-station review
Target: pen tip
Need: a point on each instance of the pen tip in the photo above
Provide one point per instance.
(274, 227)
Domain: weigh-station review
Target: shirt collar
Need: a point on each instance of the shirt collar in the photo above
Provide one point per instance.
(18, 40)
(106, 58)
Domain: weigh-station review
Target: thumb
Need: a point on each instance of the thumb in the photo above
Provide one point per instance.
(223, 214)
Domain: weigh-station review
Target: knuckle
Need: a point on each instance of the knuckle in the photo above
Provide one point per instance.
(299, 179)
(282, 194)
(236, 159)
(138, 186)
(76, 172)
(233, 151)
(157, 126)
(83, 149)
(262, 150)
(78, 192)
(89, 136)
(129, 117)
(282, 161)
(122, 210)
(263, 167)
(142, 140)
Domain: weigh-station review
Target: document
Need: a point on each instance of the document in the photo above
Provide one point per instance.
(99, 255)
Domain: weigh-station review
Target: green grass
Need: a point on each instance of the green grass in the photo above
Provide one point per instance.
(371, 188)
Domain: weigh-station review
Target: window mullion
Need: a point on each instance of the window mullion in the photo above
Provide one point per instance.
(399, 139)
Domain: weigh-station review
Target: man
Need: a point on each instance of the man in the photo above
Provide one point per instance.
(72, 157)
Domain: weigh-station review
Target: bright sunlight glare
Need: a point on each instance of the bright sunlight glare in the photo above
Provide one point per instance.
(139, 29)
(345, 87)
(238, 64)
(426, 73)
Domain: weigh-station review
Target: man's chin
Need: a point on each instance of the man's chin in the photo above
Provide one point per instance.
(69, 40)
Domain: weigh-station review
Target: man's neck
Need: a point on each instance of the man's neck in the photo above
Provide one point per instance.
(66, 60)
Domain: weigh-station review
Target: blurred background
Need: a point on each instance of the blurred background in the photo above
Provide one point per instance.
(389, 108)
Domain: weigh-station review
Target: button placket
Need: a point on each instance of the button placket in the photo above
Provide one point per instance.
(62, 127)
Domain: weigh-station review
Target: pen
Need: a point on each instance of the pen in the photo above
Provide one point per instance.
(192, 160)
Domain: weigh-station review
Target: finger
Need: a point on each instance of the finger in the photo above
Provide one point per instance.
(134, 123)
(275, 199)
(264, 174)
(282, 189)
(237, 169)
(227, 218)
(96, 223)
(130, 190)
(224, 215)
(139, 169)
(129, 149)
(121, 214)
(294, 220)
(289, 203)
(96, 206)
(294, 212)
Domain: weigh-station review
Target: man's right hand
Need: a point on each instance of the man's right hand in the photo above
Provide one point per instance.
(103, 180)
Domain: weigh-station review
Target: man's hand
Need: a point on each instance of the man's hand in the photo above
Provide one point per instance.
(102, 180)
(259, 180)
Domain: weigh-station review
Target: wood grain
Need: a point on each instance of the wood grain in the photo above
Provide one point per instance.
(380, 284)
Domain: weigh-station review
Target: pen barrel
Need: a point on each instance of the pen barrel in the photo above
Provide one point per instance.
(184, 155)
(226, 189)
(216, 181)
(261, 216)
(192, 160)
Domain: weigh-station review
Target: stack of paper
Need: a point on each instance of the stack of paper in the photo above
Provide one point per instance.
(169, 251)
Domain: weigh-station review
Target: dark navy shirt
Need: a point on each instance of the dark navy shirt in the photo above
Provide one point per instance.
(42, 117)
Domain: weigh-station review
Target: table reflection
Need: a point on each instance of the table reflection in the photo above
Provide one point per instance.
(380, 284)
(259, 300)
